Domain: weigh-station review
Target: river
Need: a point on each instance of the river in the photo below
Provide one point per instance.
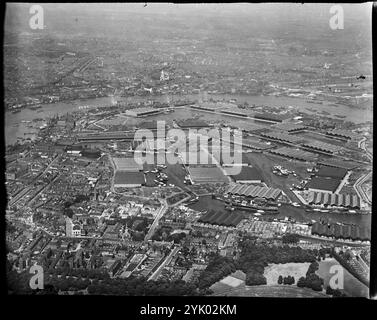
(14, 128)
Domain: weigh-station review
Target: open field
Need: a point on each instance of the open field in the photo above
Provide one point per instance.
(277, 291)
(296, 270)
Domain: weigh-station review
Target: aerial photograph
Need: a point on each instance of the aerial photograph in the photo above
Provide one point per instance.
(162, 149)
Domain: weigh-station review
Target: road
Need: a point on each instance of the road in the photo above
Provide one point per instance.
(359, 189)
(42, 190)
(26, 190)
(362, 145)
(154, 225)
(155, 274)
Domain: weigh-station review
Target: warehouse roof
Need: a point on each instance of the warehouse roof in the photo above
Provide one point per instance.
(322, 146)
(124, 178)
(254, 191)
(272, 116)
(343, 232)
(339, 200)
(193, 123)
(342, 133)
(127, 164)
(295, 153)
(321, 183)
(282, 136)
(339, 164)
(325, 171)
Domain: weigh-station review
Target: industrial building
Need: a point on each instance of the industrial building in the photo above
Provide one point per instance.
(254, 191)
(273, 117)
(290, 127)
(211, 107)
(248, 175)
(234, 113)
(192, 123)
(143, 112)
(337, 173)
(346, 232)
(222, 218)
(343, 134)
(334, 200)
(125, 179)
(322, 147)
(282, 137)
(296, 154)
(128, 136)
(206, 174)
(349, 165)
(323, 184)
(127, 164)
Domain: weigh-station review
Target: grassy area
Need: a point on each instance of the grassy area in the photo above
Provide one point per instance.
(296, 270)
(280, 291)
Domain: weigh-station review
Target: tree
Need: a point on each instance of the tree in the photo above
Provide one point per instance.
(329, 290)
(301, 282)
(280, 280)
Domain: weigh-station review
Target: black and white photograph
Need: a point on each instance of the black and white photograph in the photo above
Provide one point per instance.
(188, 150)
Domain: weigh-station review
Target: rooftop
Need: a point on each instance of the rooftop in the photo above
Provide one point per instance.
(122, 177)
(325, 171)
(322, 183)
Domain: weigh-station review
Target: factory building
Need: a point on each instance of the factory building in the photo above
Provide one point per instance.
(143, 112)
(334, 200)
(247, 175)
(323, 184)
(273, 117)
(124, 179)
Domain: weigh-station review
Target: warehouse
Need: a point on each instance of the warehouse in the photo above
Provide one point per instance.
(248, 175)
(295, 154)
(106, 136)
(322, 147)
(346, 232)
(222, 218)
(334, 200)
(344, 134)
(290, 127)
(233, 113)
(282, 137)
(322, 184)
(337, 173)
(206, 106)
(143, 112)
(127, 164)
(206, 175)
(254, 191)
(124, 179)
(90, 153)
(273, 117)
(192, 123)
(349, 165)
(74, 150)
